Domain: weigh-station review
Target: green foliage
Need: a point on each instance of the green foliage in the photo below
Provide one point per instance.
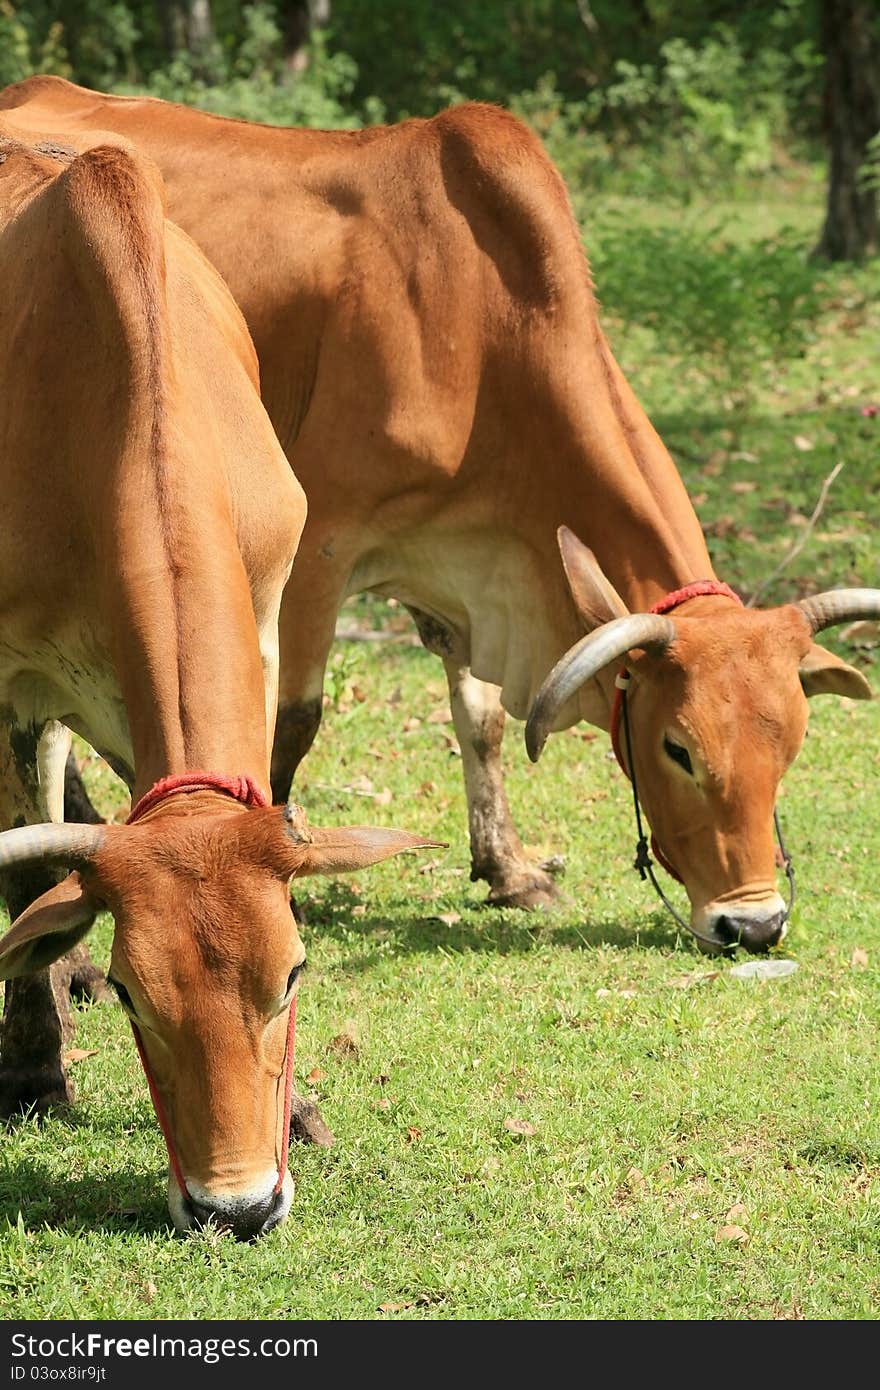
(253, 87)
(722, 308)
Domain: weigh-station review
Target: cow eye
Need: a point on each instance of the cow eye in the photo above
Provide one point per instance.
(293, 977)
(678, 755)
(122, 994)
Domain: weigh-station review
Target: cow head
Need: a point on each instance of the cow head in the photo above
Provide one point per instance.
(206, 961)
(718, 712)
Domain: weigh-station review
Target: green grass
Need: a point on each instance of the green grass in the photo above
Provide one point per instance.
(668, 1101)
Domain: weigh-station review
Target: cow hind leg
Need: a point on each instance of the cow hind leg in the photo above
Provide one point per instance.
(77, 804)
(37, 1018)
(497, 854)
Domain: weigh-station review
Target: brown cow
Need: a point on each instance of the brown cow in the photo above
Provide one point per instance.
(148, 525)
(432, 360)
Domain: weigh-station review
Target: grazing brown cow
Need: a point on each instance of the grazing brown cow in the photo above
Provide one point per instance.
(431, 358)
(149, 522)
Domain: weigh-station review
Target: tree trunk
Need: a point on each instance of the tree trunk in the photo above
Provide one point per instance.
(299, 19)
(188, 28)
(200, 29)
(851, 42)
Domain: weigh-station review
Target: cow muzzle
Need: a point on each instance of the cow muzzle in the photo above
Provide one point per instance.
(756, 927)
(244, 1215)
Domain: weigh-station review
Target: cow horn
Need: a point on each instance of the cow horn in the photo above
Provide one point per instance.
(589, 656)
(839, 606)
(51, 843)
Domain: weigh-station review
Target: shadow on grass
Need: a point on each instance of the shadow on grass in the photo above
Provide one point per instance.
(329, 914)
(121, 1203)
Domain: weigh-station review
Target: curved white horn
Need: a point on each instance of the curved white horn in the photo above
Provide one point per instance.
(839, 606)
(59, 844)
(598, 649)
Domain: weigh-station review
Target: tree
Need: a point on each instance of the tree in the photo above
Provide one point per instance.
(851, 42)
(299, 19)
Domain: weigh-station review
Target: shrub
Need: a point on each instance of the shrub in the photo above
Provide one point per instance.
(724, 308)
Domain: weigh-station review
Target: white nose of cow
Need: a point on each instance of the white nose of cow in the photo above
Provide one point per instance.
(245, 1215)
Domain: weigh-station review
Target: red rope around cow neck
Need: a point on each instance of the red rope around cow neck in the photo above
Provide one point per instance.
(245, 790)
(663, 605)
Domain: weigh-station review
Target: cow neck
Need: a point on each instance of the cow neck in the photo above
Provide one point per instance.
(626, 498)
(703, 588)
(186, 644)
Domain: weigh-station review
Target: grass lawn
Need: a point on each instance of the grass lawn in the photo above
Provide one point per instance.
(564, 1116)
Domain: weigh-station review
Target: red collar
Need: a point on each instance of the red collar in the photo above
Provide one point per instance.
(243, 789)
(663, 605)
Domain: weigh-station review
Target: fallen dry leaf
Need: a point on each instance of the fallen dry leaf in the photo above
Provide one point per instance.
(411, 723)
(737, 1213)
(413, 1134)
(395, 1307)
(79, 1054)
(801, 442)
(731, 1233)
(722, 526)
(150, 1291)
(343, 1045)
(448, 919)
(694, 977)
(743, 485)
(359, 910)
(860, 957)
(634, 1178)
(443, 715)
(383, 798)
(519, 1126)
(861, 634)
(714, 463)
(315, 1074)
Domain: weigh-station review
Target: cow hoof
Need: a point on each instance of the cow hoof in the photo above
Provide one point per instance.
(533, 891)
(306, 1124)
(23, 1092)
(86, 983)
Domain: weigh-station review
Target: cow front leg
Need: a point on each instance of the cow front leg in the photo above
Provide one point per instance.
(497, 854)
(297, 724)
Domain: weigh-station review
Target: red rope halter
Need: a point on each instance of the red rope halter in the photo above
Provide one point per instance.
(245, 790)
(663, 605)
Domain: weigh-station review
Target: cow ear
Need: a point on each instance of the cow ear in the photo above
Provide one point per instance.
(341, 849)
(48, 928)
(595, 597)
(823, 673)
